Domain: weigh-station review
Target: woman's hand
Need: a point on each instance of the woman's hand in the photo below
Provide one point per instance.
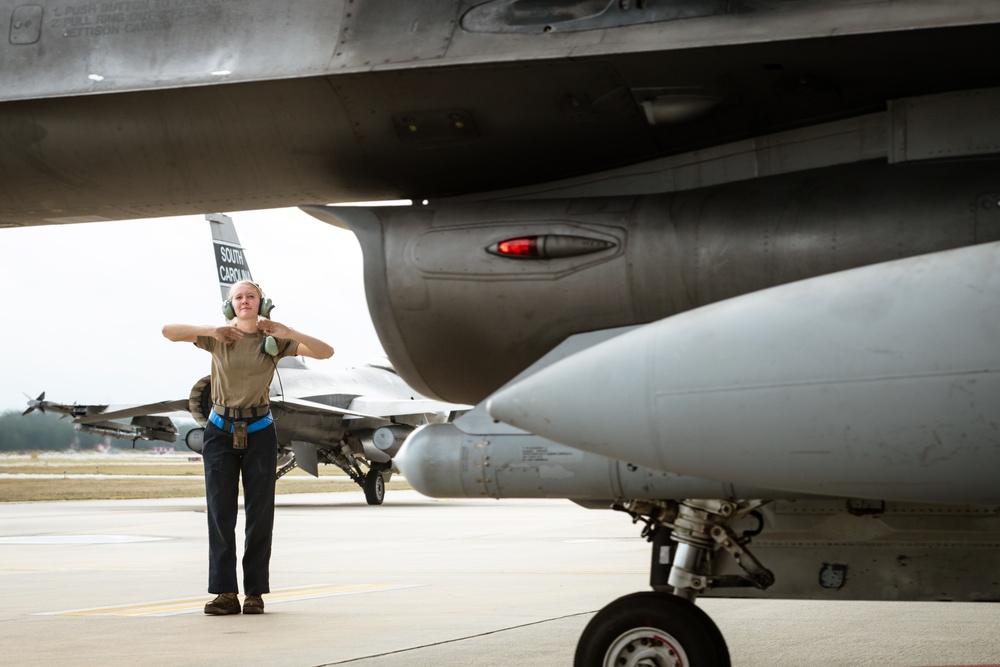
(272, 328)
(308, 346)
(226, 334)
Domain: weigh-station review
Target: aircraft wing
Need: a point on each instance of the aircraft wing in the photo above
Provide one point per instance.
(159, 408)
(387, 407)
(148, 422)
(181, 405)
(361, 408)
(314, 406)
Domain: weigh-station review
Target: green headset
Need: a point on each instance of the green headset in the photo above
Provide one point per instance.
(264, 309)
(269, 345)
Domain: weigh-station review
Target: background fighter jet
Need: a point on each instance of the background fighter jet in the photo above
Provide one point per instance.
(356, 419)
(783, 192)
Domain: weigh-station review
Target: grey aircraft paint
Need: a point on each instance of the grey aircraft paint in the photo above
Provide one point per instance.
(659, 157)
(838, 385)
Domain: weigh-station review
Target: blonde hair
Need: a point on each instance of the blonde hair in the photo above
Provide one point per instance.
(232, 288)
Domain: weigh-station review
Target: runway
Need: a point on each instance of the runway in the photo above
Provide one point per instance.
(416, 582)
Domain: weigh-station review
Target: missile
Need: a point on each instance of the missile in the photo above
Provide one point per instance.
(476, 458)
(881, 382)
(141, 428)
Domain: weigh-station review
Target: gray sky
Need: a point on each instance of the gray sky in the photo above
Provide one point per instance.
(83, 304)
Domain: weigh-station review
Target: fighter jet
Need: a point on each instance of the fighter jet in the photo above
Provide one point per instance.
(798, 198)
(355, 419)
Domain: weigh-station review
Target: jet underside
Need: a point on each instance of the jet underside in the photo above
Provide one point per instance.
(652, 174)
(105, 116)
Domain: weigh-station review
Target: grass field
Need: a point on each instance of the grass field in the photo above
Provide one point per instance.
(131, 475)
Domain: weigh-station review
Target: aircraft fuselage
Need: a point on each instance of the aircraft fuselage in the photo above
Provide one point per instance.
(117, 110)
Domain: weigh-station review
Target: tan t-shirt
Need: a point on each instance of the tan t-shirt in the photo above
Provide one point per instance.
(241, 371)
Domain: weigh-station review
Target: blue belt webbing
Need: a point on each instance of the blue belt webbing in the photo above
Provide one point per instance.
(252, 427)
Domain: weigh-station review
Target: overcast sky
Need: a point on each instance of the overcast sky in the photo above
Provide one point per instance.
(83, 304)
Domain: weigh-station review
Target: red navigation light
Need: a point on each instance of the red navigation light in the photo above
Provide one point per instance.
(548, 246)
(525, 246)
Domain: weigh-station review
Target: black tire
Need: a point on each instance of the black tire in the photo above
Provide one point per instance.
(374, 487)
(664, 629)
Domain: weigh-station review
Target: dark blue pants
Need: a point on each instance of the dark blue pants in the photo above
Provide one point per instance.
(223, 467)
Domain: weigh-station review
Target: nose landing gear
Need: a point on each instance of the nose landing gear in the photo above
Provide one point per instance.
(651, 629)
(664, 628)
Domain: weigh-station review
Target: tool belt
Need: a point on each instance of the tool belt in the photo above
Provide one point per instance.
(252, 427)
(237, 414)
(240, 426)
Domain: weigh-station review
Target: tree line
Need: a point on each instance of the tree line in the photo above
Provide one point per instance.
(45, 431)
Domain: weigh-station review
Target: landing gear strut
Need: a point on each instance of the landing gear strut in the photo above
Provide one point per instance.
(372, 481)
(664, 628)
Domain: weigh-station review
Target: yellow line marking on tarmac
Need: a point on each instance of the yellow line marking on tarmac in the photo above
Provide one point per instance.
(197, 605)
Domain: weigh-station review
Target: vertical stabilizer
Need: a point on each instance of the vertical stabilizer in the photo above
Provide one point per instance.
(230, 258)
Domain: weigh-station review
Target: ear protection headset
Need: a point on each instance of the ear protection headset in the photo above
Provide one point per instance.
(264, 309)
(269, 345)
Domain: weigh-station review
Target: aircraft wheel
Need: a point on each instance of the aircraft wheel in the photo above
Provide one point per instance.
(651, 630)
(374, 487)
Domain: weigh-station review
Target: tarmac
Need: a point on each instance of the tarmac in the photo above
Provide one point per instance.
(416, 582)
